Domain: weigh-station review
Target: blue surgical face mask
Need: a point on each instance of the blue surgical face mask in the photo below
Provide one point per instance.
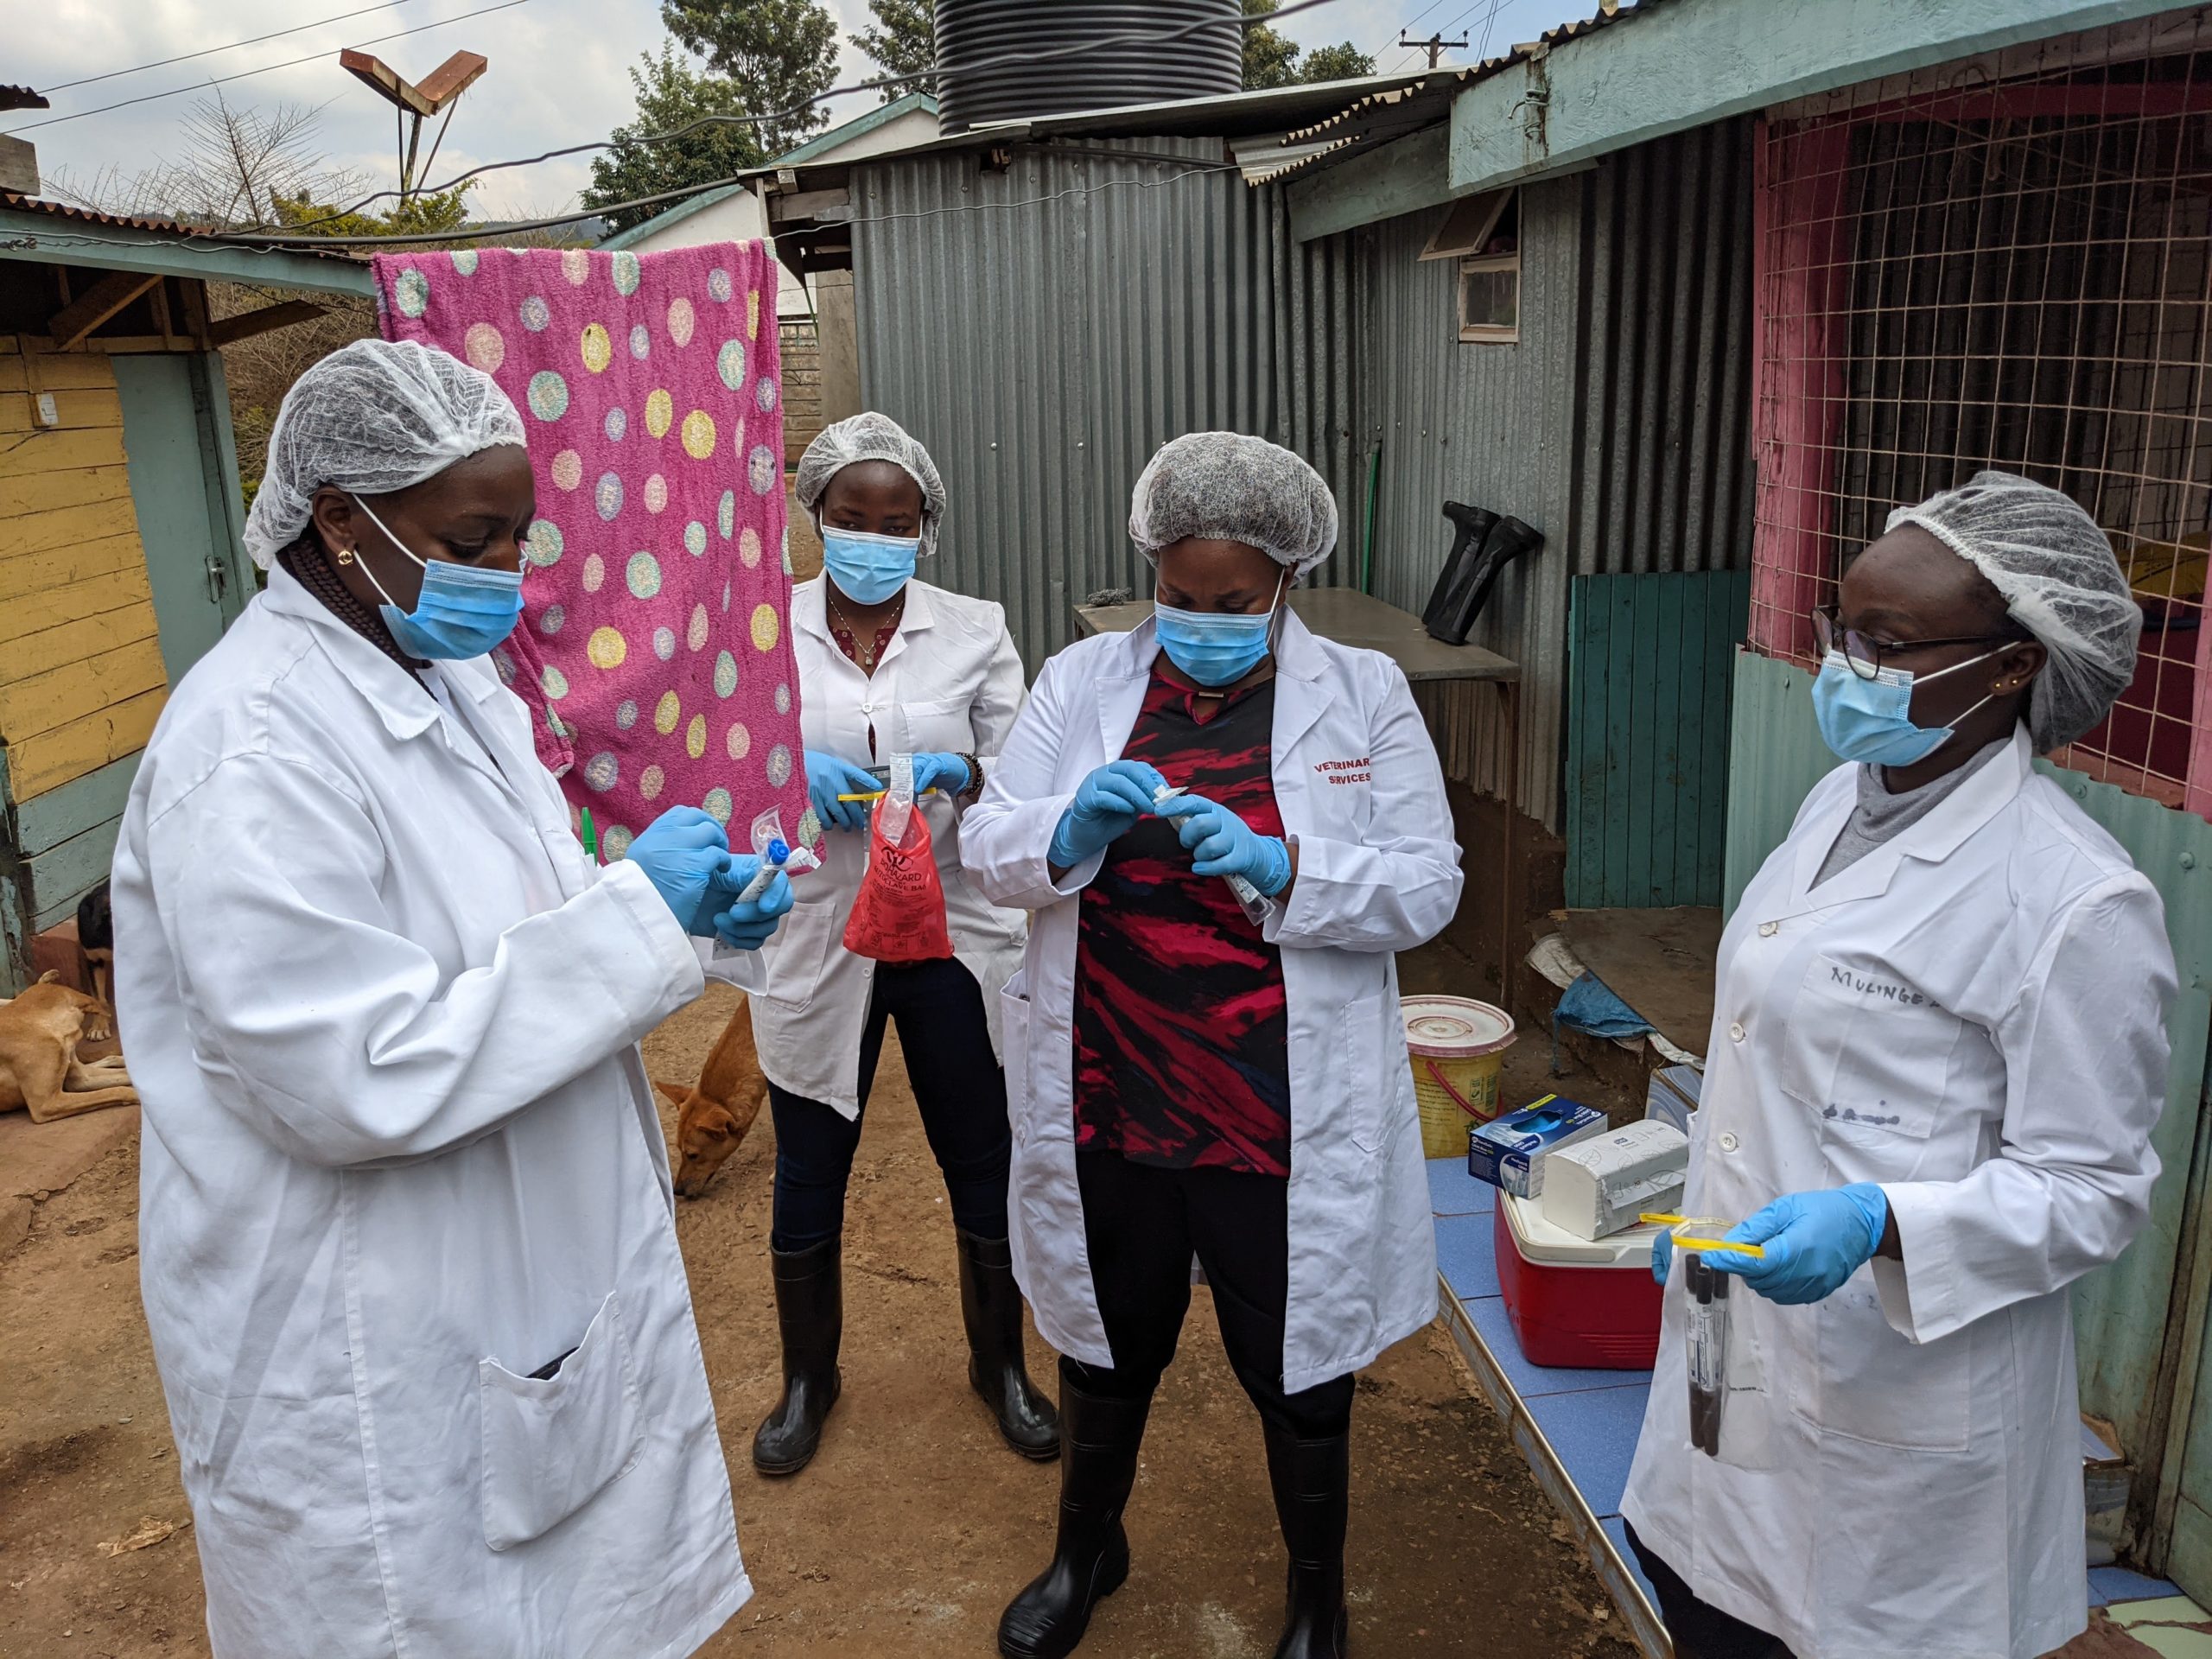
(1870, 721)
(868, 568)
(464, 610)
(1215, 647)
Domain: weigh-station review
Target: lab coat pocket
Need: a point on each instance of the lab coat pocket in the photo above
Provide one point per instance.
(1870, 1053)
(939, 724)
(1875, 1387)
(1013, 1026)
(1361, 1090)
(794, 958)
(553, 1443)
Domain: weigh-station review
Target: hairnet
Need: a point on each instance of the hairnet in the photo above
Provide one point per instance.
(2060, 581)
(870, 436)
(373, 416)
(1226, 486)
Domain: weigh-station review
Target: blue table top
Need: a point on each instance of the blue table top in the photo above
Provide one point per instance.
(1591, 1418)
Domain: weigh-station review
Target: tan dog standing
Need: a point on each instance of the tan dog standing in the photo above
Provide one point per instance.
(38, 1068)
(712, 1116)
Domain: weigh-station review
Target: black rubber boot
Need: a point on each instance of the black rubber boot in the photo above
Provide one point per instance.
(811, 1314)
(1311, 1481)
(990, 1303)
(1090, 1557)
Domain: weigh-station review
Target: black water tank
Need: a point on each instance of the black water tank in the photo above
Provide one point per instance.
(1110, 71)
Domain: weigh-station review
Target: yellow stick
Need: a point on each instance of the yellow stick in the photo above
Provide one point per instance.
(878, 795)
(1662, 1219)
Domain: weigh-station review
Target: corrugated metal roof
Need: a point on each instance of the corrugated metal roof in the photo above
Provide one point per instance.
(186, 234)
(21, 98)
(1387, 113)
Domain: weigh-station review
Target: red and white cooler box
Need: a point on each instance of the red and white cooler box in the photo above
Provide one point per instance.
(1576, 1301)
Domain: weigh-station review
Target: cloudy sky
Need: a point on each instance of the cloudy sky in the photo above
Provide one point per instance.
(558, 74)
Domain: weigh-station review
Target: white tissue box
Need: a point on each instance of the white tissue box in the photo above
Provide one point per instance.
(1601, 1185)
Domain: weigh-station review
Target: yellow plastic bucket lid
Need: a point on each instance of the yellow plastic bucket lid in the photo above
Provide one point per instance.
(1455, 1027)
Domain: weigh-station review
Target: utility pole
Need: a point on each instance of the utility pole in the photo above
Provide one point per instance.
(1435, 46)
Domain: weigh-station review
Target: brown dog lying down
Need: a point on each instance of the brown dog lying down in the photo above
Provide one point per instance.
(712, 1116)
(38, 1068)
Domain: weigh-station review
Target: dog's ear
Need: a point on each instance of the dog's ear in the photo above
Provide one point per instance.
(717, 1119)
(51, 976)
(671, 1093)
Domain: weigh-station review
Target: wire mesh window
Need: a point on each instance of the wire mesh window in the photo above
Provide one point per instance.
(2013, 269)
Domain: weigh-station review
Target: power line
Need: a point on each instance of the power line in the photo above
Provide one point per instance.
(1482, 51)
(186, 57)
(1010, 59)
(243, 75)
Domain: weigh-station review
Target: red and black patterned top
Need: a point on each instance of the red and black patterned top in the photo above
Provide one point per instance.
(1182, 1054)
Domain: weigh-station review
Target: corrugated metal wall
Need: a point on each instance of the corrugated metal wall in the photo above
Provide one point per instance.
(1045, 328)
(1619, 425)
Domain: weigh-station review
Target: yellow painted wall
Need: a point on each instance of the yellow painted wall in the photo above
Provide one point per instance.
(80, 661)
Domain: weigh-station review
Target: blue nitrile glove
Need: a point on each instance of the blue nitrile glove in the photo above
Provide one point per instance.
(682, 852)
(1107, 805)
(829, 777)
(1814, 1242)
(948, 773)
(748, 926)
(1662, 1254)
(1221, 844)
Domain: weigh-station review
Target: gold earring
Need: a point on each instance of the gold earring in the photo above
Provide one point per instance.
(344, 556)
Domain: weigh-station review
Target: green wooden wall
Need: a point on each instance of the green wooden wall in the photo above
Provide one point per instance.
(1649, 684)
(2120, 1313)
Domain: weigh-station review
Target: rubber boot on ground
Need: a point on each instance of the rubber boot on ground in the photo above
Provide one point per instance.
(990, 1304)
(1099, 1439)
(810, 1314)
(1312, 1482)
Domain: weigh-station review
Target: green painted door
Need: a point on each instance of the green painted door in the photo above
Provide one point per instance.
(177, 431)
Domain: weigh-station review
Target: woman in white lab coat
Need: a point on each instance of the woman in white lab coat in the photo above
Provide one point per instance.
(406, 1231)
(1194, 1071)
(889, 664)
(1938, 1051)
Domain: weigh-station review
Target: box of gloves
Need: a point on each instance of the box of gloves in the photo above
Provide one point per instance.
(1598, 1186)
(1508, 1152)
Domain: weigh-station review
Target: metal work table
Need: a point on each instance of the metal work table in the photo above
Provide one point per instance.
(1351, 617)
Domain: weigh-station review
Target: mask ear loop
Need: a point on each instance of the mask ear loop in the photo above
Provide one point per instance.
(368, 570)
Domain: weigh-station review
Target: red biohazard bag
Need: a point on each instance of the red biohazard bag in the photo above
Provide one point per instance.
(899, 914)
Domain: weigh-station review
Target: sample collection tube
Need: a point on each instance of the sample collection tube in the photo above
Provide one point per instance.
(1708, 1349)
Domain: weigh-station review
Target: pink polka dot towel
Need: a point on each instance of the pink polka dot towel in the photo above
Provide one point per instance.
(653, 650)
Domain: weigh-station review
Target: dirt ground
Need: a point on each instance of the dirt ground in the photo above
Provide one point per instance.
(914, 1525)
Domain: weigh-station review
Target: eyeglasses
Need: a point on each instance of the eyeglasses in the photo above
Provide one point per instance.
(1865, 652)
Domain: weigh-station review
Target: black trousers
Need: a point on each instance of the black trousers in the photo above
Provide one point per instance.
(1143, 1225)
(957, 1084)
(1700, 1629)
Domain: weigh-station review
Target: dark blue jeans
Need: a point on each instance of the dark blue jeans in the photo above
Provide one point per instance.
(957, 1084)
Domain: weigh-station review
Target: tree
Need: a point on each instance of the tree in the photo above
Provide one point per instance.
(670, 94)
(1272, 59)
(1269, 58)
(776, 54)
(903, 41)
(1341, 62)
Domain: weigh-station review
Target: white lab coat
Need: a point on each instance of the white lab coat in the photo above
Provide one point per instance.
(399, 1152)
(949, 682)
(1362, 797)
(1971, 1016)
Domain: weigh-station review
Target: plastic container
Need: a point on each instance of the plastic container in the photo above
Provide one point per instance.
(1572, 1301)
(1457, 1045)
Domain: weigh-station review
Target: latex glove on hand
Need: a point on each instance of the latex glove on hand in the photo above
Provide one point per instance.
(1814, 1242)
(682, 852)
(1107, 806)
(747, 926)
(1662, 1254)
(827, 778)
(1221, 844)
(946, 773)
